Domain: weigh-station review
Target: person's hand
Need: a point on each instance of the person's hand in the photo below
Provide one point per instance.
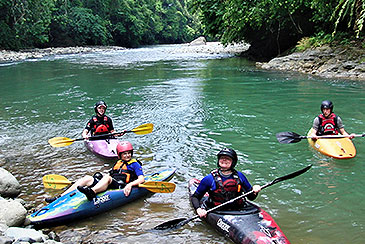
(256, 188)
(352, 136)
(314, 138)
(120, 134)
(127, 189)
(201, 212)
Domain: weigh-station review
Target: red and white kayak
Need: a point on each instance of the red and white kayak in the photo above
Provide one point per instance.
(248, 225)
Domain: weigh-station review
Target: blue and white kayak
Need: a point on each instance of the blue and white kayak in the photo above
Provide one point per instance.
(75, 206)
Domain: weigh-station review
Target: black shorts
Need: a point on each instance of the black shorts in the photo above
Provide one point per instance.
(97, 177)
(116, 185)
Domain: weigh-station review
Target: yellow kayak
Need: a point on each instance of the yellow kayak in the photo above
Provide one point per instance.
(340, 148)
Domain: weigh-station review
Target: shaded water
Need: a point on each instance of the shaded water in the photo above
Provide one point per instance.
(198, 103)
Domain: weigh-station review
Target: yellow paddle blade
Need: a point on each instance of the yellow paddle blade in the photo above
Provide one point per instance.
(60, 141)
(143, 129)
(159, 186)
(55, 181)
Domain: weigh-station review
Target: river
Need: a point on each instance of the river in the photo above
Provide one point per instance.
(198, 103)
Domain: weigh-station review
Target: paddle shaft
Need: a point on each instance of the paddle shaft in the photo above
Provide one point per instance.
(103, 136)
(331, 137)
(292, 175)
(286, 177)
(292, 137)
(59, 182)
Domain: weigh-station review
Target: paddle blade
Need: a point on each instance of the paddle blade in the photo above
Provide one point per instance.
(143, 129)
(288, 137)
(60, 141)
(171, 224)
(55, 181)
(159, 186)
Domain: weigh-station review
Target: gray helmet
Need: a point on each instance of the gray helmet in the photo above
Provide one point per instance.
(327, 104)
(98, 104)
(230, 153)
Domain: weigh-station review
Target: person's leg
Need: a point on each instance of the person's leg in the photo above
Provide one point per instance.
(91, 192)
(103, 184)
(84, 181)
(87, 180)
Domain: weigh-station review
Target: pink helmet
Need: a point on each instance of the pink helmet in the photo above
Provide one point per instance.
(124, 146)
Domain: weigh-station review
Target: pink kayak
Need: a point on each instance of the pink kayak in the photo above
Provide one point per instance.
(106, 148)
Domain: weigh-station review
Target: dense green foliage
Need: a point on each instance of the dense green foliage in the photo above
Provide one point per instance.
(273, 26)
(270, 26)
(130, 23)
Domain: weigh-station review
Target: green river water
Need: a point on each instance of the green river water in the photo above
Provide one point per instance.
(198, 103)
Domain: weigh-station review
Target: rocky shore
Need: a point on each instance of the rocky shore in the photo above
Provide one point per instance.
(13, 223)
(328, 62)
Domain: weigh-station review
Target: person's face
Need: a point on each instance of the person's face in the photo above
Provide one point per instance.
(326, 112)
(101, 109)
(126, 156)
(225, 162)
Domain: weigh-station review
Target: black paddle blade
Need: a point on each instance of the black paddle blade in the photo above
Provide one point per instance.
(288, 137)
(172, 224)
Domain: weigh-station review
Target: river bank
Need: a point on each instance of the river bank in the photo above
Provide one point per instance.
(327, 62)
(334, 62)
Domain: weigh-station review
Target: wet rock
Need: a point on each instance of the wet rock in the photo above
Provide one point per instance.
(9, 185)
(12, 213)
(25, 235)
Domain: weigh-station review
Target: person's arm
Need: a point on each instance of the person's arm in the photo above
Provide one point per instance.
(203, 187)
(315, 128)
(256, 189)
(247, 187)
(127, 189)
(84, 134)
(342, 128)
(138, 170)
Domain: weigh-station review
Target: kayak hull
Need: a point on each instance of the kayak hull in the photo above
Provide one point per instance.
(245, 226)
(339, 148)
(75, 206)
(106, 148)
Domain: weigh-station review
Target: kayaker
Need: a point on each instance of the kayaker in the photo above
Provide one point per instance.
(328, 123)
(100, 123)
(223, 184)
(126, 173)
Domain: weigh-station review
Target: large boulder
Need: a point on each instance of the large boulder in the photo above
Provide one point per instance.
(9, 185)
(199, 41)
(12, 213)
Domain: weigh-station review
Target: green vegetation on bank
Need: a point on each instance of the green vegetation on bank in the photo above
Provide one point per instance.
(271, 27)
(274, 26)
(127, 23)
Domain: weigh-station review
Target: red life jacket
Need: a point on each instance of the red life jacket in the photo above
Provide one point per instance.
(327, 126)
(100, 127)
(225, 191)
(121, 173)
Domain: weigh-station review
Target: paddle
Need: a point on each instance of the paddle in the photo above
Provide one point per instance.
(177, 223)
(64, 141)
(292, 137)
(59, 182)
